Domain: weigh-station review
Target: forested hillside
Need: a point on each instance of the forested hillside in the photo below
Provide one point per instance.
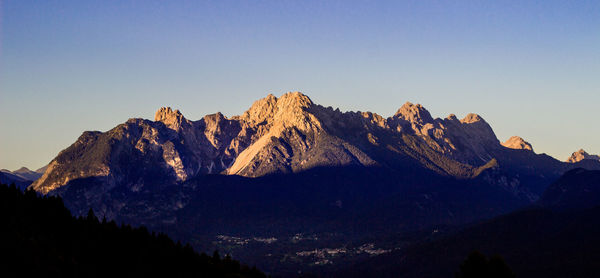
(41, 238)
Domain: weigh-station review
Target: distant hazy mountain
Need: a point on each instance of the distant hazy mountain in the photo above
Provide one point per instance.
(41, 170)
(581, 155)
(26, 174)
(22, 177)
(6, 177)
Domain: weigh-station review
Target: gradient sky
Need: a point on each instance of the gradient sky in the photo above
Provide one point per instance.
(530, 68)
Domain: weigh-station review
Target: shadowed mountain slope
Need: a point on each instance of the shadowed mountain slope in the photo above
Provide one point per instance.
(559, 238)
(576, 189)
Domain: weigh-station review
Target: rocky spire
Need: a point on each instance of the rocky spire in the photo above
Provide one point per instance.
(414, 113)
(452, 118)
(261, 110)
(285, 111)
(172, 119)
(472, 118)
(478, 132)
(581, 155)
(517, 143)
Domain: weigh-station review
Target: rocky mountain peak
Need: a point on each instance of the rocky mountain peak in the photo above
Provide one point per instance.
(472, 118)
(517, 143)
(171, 118)
(291, 100)
(288, 118)
(414, 113)
(23, 170)
(216, 117)
(452, 117)
(24, 173)
(261, 110)
(286, 111)
(292, 112)
(479, 128)
(581, 155)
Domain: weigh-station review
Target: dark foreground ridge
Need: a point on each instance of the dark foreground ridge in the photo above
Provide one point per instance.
(556, 238)
(40, 238)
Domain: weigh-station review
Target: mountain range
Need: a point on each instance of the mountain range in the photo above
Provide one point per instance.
(289, 134)
(288, 166)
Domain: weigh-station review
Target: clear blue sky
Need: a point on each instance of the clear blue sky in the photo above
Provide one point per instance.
(530, 68)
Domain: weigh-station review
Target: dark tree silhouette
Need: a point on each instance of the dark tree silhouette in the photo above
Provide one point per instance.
(40, 238)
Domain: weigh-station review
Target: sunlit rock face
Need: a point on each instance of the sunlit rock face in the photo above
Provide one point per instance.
(517, 143)
(470, 140)
(581, 155)
(172, 119)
